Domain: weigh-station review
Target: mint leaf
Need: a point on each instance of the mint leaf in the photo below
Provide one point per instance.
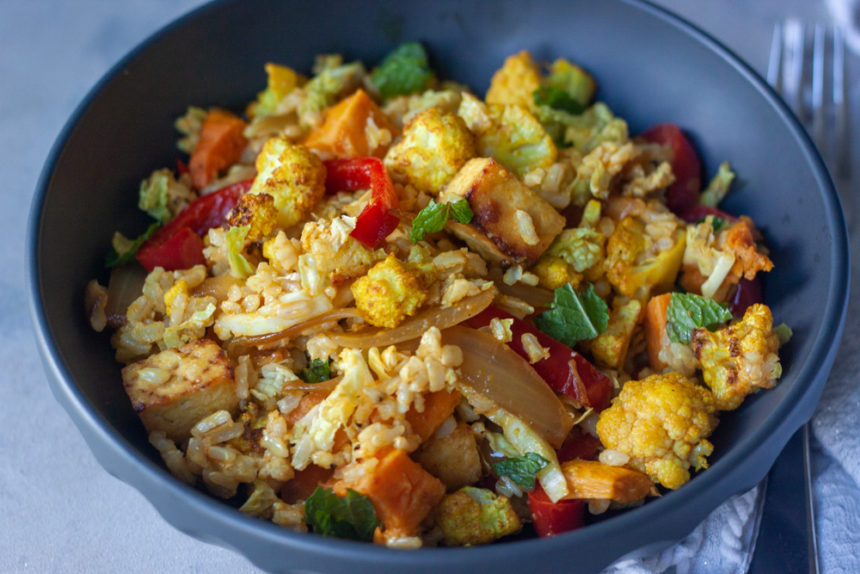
(434, 217)
(557, 99)
(522, 469)
(574, 317)
(351, 516)
(126, 254)
(317, 371)
(461, 211)
(688, 311)
(403, 71)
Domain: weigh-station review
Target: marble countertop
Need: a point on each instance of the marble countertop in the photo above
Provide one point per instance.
(61, 511)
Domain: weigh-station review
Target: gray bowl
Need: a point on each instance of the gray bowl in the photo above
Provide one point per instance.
(651, 67)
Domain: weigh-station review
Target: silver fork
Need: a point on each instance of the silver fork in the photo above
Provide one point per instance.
(811, 79)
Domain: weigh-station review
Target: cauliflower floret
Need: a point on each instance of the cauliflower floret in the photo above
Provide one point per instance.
(662, 422)
(515, 82)
(642, 255)
(475, 516)
(740, 359)
(258, 212)
(434, 147)
(388, 293)
(554, 272)
(402, 109)
(333, 253)
(292, 175)
(516, 139)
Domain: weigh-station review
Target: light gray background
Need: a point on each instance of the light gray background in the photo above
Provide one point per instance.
(59, 510)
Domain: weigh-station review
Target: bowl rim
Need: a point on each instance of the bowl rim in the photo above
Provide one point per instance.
(123, 459)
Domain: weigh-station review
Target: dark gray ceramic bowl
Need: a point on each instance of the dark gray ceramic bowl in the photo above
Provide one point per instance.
(651, 67)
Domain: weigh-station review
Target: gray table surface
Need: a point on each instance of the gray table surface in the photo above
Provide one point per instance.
(59, 510)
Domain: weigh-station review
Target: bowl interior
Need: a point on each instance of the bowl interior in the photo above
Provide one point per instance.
(650, 69)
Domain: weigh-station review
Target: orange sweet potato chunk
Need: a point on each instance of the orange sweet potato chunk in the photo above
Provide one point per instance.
(402, 492)
(438, 406)
(220, 146)
(344, 133)
(655, 328)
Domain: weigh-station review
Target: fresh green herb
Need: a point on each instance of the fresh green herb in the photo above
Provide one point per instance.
(557, 99)
(573, 80)
(124, 250)
(522, 469)
(434, 217)
(783, 332)
(719, 186)
(403, 71)
(574, 317)
(235, 243)
(317, 371)
(717, 222)
(688, 311)
(351, 516)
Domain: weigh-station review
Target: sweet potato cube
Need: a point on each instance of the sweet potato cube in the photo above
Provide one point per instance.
(438, 406)
(221, 144)
(402, 492)
(655, 328)
(172, 390)
(345, 129)
(517, 220)
(590, 479)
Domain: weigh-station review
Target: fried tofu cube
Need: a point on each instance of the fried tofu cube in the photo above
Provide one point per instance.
(453, 458)
(388, 293)
(517, 220)
(172, 390)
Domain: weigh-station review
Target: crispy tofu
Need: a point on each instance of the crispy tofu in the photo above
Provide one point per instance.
(172, 390)
(519, 222)
(453, 459)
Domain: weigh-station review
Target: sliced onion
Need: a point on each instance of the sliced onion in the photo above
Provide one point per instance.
(241, 345)
(125, 285)
(416, 326)
(218, 287)
(537, 297)
(322, 387)
(496, 371)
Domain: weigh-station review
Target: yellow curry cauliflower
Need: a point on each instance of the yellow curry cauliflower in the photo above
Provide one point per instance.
(388, 293)
(258, 212)
(662, 422)
(434, 147)
(515, 82)
(291, 174)
(740, 359)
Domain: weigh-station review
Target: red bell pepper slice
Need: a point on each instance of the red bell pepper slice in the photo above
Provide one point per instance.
(376, 221)
(565, 370)
(579, 445)
(178, 245)
(553, 518)
(683, 194)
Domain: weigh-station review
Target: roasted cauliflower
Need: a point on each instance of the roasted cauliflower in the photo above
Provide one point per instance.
(388, 293)
(292, 175)
(662, 422)
(434, 147)
(740, 359)
(515, 82)
(476, 516)
(258, 212)
(516, 139)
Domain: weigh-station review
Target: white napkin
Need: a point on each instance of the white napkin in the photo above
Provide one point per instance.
(722, 544)
(846, 15)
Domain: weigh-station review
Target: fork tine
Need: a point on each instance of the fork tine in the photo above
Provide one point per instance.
(840, 106)
(818, 111)
(792, 68)
(774, 63)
